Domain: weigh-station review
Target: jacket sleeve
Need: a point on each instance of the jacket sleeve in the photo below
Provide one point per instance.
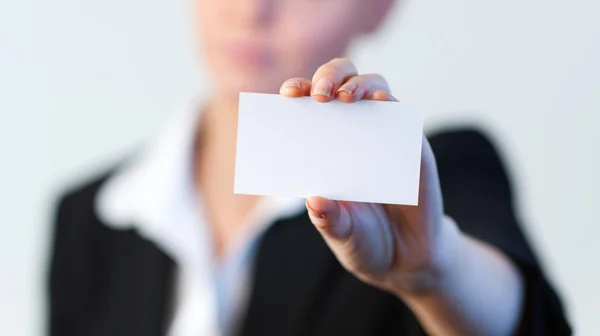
(477, 195)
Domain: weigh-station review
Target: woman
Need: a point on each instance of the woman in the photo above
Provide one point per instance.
(161, 245)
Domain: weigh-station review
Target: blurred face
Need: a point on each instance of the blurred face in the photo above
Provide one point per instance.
(254, 45)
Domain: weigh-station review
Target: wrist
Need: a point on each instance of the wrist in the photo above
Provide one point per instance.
(439, 269)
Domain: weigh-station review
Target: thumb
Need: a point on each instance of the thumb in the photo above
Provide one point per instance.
(358, 234)
(331, 218)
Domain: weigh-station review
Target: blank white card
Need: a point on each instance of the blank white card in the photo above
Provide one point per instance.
(368, 151)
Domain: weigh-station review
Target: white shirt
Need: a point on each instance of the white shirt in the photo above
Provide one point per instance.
(155, 195)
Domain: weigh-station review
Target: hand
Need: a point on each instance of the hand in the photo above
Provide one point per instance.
(455, 284)
(401, 249)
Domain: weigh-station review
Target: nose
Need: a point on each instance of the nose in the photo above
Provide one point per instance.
(254, 13)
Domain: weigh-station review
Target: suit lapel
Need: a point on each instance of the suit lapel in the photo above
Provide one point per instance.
(292, 267)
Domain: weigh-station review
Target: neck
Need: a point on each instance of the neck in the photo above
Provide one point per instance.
(215, 154)
(219, 121)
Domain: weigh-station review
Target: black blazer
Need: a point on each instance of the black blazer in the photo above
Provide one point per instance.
(99, 277)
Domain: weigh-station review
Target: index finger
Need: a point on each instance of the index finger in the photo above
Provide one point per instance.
(329, 77)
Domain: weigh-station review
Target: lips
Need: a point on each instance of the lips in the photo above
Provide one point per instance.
(250, 57)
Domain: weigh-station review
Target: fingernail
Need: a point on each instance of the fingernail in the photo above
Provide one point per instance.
(323, 87)
(348, 87)
(289, 86)
(335, 221)
(315, 213)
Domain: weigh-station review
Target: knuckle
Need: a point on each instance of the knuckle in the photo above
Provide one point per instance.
(341, 60)
(337, 69)
(329, 67)
(328, 70)
(375, 76)
(378, 82)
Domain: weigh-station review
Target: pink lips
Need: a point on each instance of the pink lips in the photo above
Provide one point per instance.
(249, 57)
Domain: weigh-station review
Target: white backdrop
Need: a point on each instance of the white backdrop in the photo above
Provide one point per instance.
(84, 82)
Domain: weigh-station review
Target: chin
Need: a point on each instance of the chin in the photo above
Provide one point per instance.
(239, 84)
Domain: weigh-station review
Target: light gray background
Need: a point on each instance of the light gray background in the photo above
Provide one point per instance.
(82, 83)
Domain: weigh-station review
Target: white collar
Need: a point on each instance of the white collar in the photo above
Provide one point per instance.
(155, 195)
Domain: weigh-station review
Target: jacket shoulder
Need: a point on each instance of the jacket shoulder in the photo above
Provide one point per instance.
(463, 143)
(79, 200)
(470, 152)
